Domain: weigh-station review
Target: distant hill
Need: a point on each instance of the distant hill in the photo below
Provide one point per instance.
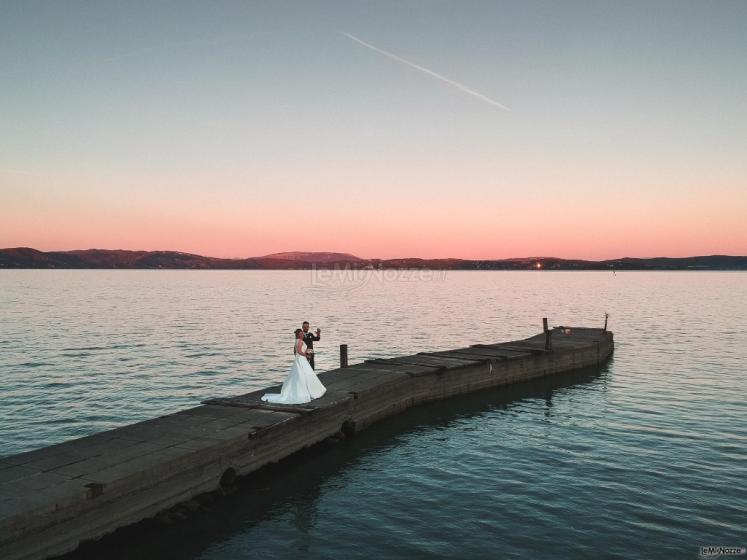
(312, 257)
(25, 257)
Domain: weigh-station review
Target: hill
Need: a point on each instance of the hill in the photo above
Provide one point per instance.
(25, 257)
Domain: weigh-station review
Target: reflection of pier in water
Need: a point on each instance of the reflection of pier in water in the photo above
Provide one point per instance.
(85, 488)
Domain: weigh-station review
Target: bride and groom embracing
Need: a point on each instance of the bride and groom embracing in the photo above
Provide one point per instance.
(301, 385)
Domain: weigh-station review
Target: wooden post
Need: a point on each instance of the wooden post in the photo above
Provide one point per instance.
(544, 324)
(548, 334)
(606, 316)
(343, 355)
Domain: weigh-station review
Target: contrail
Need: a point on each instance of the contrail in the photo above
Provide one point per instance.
(431, 73)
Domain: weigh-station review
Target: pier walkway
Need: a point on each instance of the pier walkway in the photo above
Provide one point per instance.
(54, 498)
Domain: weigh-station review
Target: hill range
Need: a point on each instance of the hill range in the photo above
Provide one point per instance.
(24, 257)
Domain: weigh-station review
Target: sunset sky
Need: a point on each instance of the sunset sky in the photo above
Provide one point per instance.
(383, 129)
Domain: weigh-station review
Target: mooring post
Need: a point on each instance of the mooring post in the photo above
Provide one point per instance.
(606, 316)
(343, 355)
(544, 324)
(548, 334)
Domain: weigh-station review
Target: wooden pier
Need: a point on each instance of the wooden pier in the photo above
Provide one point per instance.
(54, 498)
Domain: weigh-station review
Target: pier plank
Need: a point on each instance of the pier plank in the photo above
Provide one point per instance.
(468, 358)
(432, 361)
(483, 356)
(366, 380)
(15, 472)
(393, 365)
(493, 349)
(525, 348)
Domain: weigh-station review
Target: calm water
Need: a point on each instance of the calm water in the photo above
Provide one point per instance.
(646, 458)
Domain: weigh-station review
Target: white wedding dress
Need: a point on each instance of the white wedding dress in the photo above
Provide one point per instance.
(301, 386)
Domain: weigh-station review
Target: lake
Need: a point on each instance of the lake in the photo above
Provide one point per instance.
(644, 458)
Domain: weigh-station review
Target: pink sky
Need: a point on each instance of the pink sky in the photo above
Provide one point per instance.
(71, 211)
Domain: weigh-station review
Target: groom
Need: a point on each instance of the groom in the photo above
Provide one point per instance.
(309, 339)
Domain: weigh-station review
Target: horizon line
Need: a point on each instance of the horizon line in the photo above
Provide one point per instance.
(311, 253)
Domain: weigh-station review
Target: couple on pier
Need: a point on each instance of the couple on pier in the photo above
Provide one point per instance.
(301, 385)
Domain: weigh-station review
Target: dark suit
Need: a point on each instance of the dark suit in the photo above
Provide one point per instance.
(309, 339)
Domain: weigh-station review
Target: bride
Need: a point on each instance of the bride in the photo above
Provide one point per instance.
(302, 384)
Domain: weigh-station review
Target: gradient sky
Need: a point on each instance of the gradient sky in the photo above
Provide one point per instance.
(245, 128)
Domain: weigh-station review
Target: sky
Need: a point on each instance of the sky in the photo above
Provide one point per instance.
(469, 129)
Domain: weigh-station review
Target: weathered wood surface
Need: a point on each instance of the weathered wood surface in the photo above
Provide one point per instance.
(53, 498)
